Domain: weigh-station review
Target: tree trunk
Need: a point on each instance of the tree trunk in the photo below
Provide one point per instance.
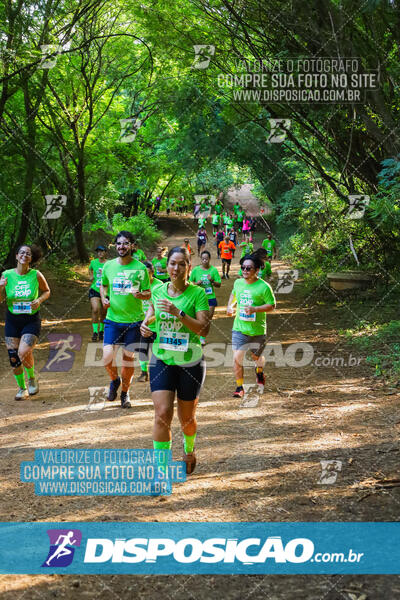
(78, 226)
(80, 243)
(30, 160)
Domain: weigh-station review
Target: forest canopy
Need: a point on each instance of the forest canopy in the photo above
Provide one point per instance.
(105, 106)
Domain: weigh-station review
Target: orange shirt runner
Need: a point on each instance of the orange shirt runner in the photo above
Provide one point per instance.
(226, 249)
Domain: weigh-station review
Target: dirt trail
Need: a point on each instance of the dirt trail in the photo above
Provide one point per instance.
(258, 463)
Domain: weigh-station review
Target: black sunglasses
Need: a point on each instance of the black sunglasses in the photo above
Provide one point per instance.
(247, 268)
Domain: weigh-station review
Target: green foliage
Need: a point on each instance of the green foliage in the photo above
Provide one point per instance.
(381, 342)
(61, 126)
(61, 269)
(141, 226)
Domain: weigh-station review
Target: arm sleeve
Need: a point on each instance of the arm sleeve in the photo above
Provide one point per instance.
(234, 289)
(216, 275)
(145, 282)
(269, 297)
(104, 278)
(201, 302)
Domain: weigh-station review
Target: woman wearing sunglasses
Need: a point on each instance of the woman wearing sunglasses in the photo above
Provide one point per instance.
(254, 298)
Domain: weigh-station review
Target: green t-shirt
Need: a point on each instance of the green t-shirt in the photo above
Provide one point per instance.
(218, 208)
(251, 294)
(269, 245)
(225, 219)
(176, 344)
(139, 255)
(215, 219)
(200, 274)
(240, 215)
(266, 271)
(247, 248)
(160, 263)
(121, 281)
(236, 209)
(146, 303)
(202, 221)
(21, 290)
(229, 221)
(97, 267)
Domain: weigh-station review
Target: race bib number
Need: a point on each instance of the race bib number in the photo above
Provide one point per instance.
(174, 341)
(123, 286)
(244, 317)
(22, 308)
(208, 290)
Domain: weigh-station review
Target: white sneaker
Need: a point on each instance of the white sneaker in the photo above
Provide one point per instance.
(260, 388)
(33, 386)
(22, 394)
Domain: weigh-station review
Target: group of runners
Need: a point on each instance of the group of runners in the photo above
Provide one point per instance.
(139, 304)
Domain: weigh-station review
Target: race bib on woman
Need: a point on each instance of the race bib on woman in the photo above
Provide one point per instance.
(174, 341)
(22, 308)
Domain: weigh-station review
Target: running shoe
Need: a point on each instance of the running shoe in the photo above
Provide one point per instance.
(101, 336)
(94, 337)
(33, 386)
(190, 460)
(113, 389)
(227, 276)
(125, 402)
(239, 392)
(260, 382)
(22, 394)
(223, 276)
(202, 340)
(143, 377)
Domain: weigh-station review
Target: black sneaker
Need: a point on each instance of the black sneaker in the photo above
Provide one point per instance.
(239, 392)
(227, 276)
(101, 336)
(113, 389)
(125, 402)
(260, 382)
(94, 336)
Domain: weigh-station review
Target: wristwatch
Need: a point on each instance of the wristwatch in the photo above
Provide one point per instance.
(182, 314)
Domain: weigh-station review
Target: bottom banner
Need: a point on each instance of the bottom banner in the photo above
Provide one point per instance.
(200, 548)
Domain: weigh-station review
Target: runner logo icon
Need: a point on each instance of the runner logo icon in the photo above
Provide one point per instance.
(62, 351)
(61, 551)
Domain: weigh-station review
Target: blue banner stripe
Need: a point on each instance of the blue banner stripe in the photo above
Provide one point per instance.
(201, 548)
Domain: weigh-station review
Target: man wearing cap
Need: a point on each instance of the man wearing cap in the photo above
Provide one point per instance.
(98, 312)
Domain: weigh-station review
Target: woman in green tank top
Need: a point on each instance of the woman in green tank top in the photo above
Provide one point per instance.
(24, 289)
